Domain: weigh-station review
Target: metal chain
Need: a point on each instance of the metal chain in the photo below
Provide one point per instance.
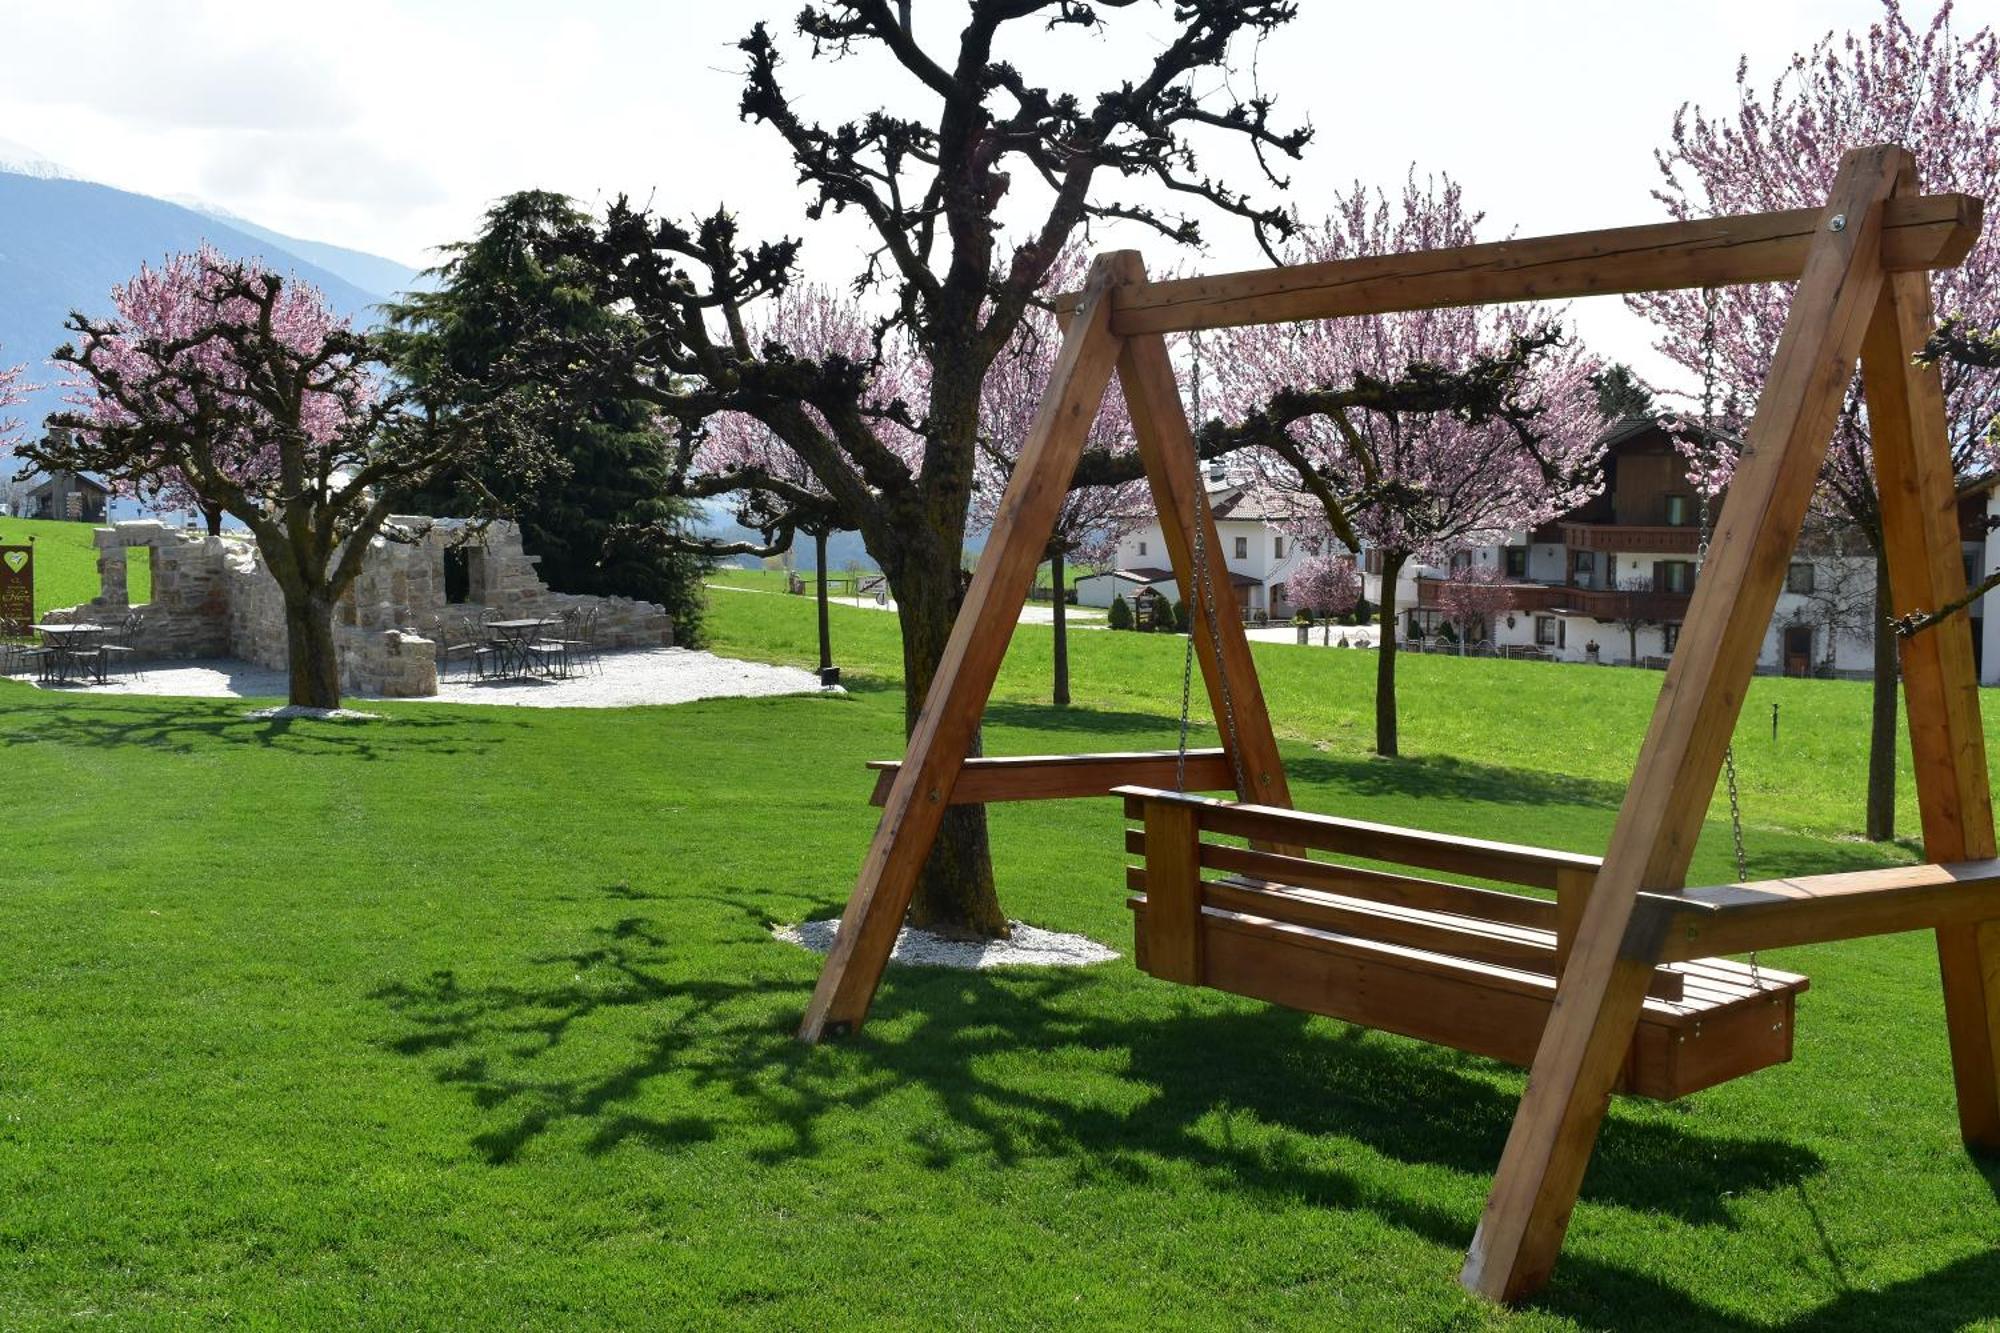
(1708, 377)
(1201, 589)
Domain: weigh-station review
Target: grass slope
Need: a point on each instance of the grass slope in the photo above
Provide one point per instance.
(470, 1018)
(66, 562)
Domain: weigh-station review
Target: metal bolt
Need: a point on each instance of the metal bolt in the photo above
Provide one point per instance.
(934, 797)
(1839, 222)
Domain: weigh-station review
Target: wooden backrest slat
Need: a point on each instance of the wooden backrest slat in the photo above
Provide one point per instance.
(1534, 867)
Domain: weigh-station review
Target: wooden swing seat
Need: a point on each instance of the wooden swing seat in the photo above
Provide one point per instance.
(1470, 968)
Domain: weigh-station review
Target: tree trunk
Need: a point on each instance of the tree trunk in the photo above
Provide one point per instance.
(1385, 658)
(825, 634)
(1632, 640)
(213, 516)
(313, 666)
(955, 894)
(1881, 822)
(1060, 695)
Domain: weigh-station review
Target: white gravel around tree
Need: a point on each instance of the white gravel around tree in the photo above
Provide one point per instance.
(1031, 946)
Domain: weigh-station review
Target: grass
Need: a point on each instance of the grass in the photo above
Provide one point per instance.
(470, 1018)
(66, 562)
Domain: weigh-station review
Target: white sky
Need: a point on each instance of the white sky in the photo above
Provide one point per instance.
(389, 126)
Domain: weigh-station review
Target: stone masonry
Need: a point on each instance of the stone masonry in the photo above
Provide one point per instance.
(212, 597)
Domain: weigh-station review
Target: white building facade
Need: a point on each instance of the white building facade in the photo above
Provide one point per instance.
(1256, 549)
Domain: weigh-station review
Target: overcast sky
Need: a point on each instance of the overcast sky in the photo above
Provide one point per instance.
(389, 126)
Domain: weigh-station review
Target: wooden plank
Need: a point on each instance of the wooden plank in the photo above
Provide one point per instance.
(1173, 890)
(1918, 500)
(1919, 234)
(1046, 777)
(1435, 895)
(1414, 928)
(1523, 948)
(1810, 909)
(1589, 1035)
(949, 719)
(1510, 863)
(1166, 445)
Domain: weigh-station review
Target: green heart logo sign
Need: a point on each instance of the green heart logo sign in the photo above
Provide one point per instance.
(15, 560)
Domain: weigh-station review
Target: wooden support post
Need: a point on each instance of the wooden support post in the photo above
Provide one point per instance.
(1920, 537)
(1597, 1003)
(957, 699)
(1166, 446)
(1572, 896)
(1173, 893)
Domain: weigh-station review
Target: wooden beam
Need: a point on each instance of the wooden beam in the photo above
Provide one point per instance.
(1602, 987)
(949, 719)
(1173, 892)
(1919, 234)
(1166, 446)
(1810, 909)
(1919, 507)
(1510, 863)
(1048, 777)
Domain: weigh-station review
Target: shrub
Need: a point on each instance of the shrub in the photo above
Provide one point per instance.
(1180, 617)
(1121, 613)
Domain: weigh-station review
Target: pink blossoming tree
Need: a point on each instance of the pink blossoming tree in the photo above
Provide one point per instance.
(1325, 584)
(1411, 434)
(1936, 91)
(815, 323)
(1471, 596)
(13, 392)
(234, 389)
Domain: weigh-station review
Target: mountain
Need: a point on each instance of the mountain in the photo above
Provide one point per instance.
(65, 242)
(371, 273)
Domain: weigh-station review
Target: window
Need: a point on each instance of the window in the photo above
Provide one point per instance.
(1677, 511)
(1673, 576)
(1242, 548)
(464, 575)
(1517, 562)
(1670, 637)
(1583, 569)
(1799, 577)
(1277, 548)
(1461, 560)
(1142, 547)
(1548, 632)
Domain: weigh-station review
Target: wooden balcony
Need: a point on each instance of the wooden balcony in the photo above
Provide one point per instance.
(1658, 539)
(1605, 604)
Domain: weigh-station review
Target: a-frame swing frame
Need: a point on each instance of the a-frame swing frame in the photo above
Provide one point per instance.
(1863, 294)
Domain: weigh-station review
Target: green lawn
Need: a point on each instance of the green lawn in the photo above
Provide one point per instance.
(470, 1018)
(66, 562)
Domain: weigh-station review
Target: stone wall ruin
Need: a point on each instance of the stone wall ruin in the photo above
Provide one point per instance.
(213, 597)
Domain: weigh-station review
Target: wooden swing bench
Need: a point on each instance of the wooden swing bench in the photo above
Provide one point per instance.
(1466, 967)
(1607, 975)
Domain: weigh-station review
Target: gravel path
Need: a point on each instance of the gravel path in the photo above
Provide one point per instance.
(1031, 946)
(630, 678)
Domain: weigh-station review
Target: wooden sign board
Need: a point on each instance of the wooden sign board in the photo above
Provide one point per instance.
(17, 583)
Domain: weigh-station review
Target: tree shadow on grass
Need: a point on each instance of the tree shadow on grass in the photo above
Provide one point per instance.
(1250, 1098)
(1448, 778)
(1190, 1057)
(180, 730)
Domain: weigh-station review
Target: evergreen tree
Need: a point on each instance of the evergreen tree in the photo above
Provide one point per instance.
(600, 518)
